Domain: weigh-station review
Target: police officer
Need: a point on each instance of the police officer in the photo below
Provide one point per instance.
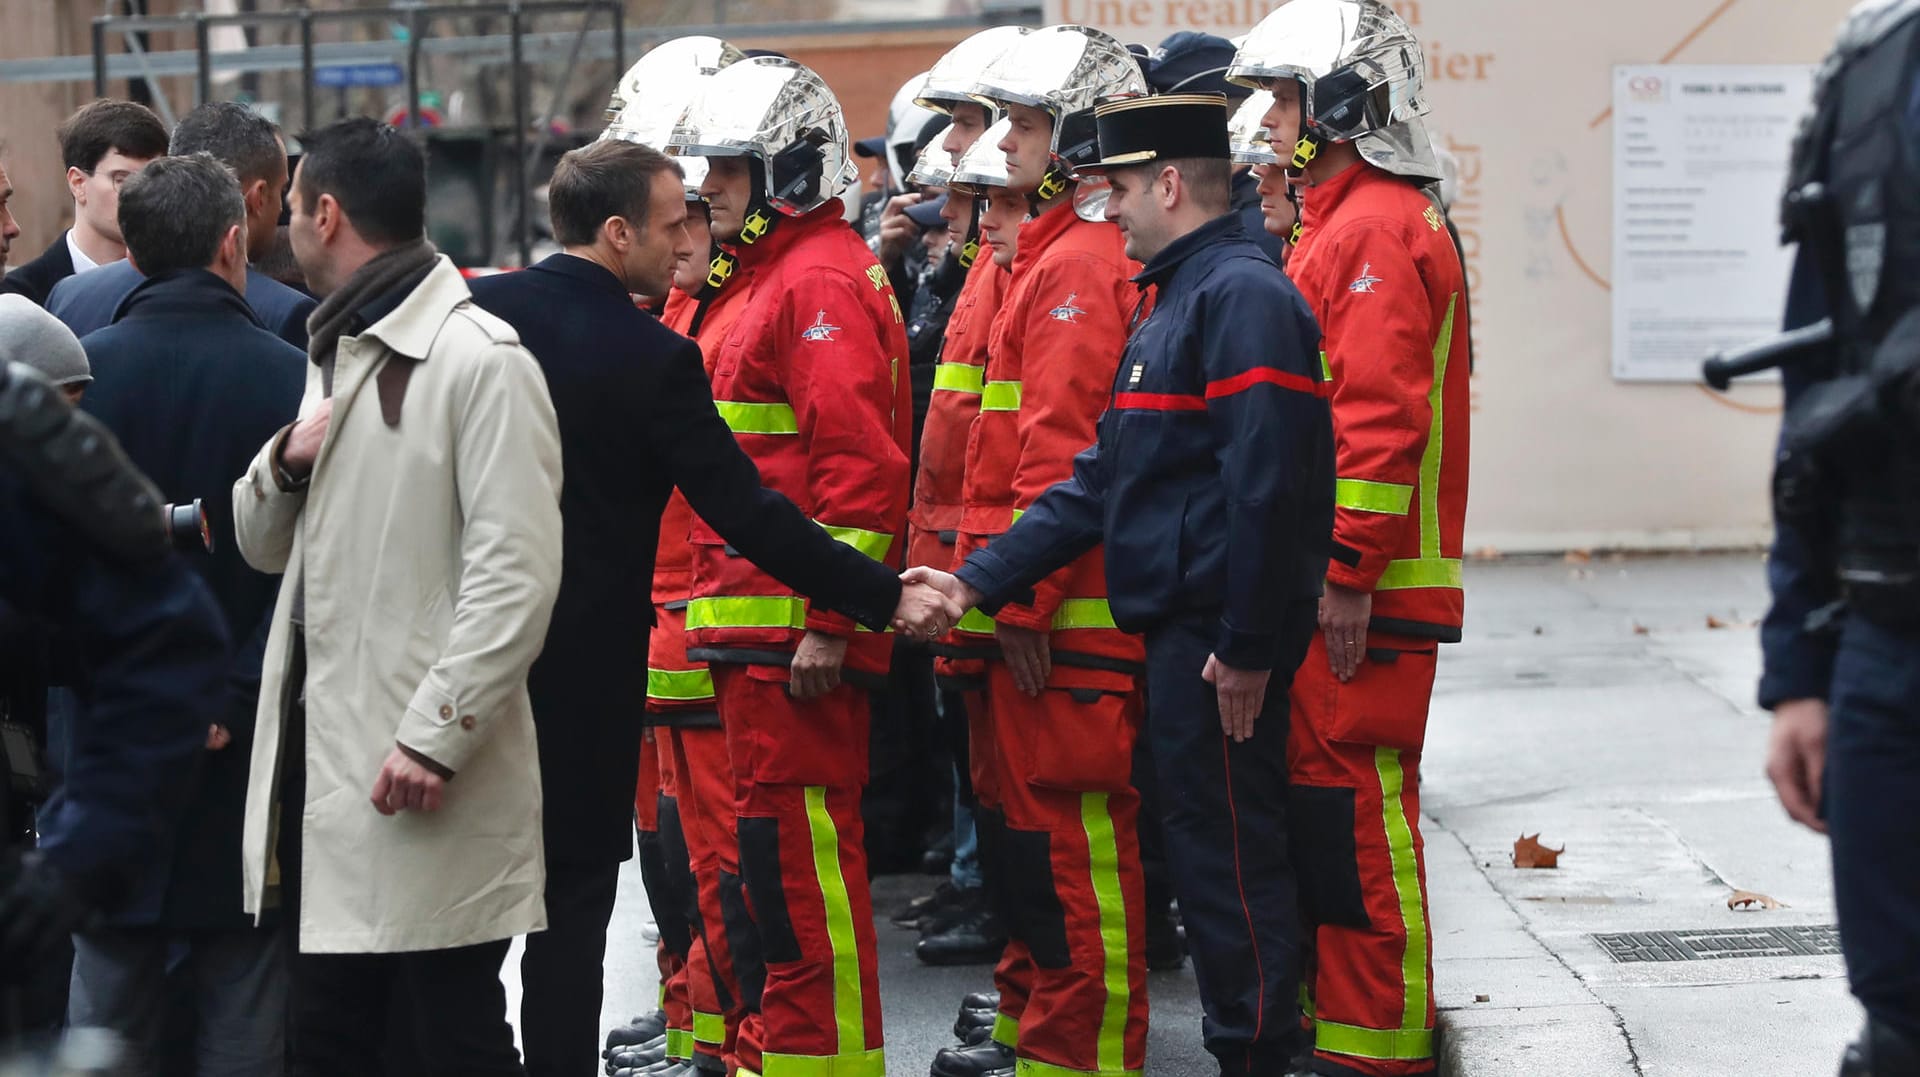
(1842, 641)
(1212, 486)
(83, 558)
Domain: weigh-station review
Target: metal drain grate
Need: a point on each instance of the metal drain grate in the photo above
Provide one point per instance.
(1814, 940)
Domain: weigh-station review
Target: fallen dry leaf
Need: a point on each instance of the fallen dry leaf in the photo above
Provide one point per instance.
(1747, 899)
(1641, 630)
(1715, 622)
(1529, 853)
(1579, 557)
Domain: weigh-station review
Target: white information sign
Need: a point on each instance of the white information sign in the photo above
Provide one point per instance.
(1699, 164)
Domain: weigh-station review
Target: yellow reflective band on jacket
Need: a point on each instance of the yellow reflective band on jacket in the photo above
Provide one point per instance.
(1027, 1067)
(1405, 575)
(1430, 460)
(1017, 513)
(874, 544)
(679, 1044)
(959, 378)
(758, 418)
(1406, 884)
(679, 685)
(857, 1064)
(1103, 864)
(709, 1029)
(731, 611)
(1083, 613)
(1000, 396)
(1006, 1030)
(975, 621)
(1326, 371)
(1384, 1044)
(849, 1008)
(1389, 498)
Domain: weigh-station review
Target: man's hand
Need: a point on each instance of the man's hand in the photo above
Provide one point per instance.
(962, 596)
(1797, 758)
(302, 446)
(816, 665)
(1242, 692)
(404, 785)
(924, 611)
(1028, 658)
(1344, 614)
(218, 737)
(897, 230)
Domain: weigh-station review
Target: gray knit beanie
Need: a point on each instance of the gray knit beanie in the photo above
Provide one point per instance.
(30, 335)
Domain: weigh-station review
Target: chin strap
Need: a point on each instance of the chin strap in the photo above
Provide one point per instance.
(970, 249)
(1052, 185)
(1304, 151)
(1293, 196)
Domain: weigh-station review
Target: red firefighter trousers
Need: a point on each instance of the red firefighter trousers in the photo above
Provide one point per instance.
(703, 779)
(809, 976)
(1353, 760)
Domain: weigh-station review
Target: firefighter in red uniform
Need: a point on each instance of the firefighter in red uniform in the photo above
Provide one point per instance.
(811, 375)
(1381, 274)
(1060, 709)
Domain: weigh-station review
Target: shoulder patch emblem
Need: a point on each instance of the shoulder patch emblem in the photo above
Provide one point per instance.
(1432, 216)
(1067, 312)
(1365, 281)
(820, 329)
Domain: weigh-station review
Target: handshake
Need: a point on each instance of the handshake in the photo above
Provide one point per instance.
(931, 602)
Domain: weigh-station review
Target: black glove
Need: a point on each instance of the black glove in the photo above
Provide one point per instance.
(39, 908)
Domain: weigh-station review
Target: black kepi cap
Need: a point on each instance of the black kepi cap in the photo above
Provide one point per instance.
(1136, 130)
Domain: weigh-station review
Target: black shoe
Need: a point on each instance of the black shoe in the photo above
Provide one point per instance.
(650, 1053)
(945, 900)
(938, 859)
(666, 1068)
(647, 1026)
(1166, 946)
(981, 1000)
(989, 1059)
(970, 1021)
(1880, 1052)
(976, 939)
(968, 902)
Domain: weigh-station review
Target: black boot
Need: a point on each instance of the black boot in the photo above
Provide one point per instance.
(970, 1022)
(647, 1026)
(946, 901)
(1166, 946)
(974, 939)
(981, 1000)
(989, 1059)
(639, 1056)
(1881, 1051)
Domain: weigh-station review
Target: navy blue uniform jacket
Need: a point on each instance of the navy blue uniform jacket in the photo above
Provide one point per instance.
(36, 279)
(91, 300)
(636, 419)
(1212, 479)
(192, 385)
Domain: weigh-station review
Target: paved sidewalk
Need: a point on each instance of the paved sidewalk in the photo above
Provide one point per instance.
(1639, 752)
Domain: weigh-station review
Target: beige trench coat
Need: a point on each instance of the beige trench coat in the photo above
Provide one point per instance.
(431, 551)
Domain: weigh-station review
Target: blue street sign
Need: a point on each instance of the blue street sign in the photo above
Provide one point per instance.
(344, 75)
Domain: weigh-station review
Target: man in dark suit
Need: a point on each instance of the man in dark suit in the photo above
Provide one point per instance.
(192, 385)
(636, 418)
(102, 144)
(246, 142)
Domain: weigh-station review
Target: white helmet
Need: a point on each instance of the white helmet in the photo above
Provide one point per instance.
(907, 121)
(782, 115)
(954, 76)
(1065, 70)
(1248, 136)
(665, 64)
(1357, 62)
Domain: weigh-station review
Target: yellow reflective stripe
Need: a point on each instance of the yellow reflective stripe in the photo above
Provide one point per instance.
(1390, 498)
(758, 418)
(1326, 371)
(679, 685)
(849, 1009)
(874, 544)
(1000, 396)
(1103, 862)
(975, 621)
(679, 1044)
(857, 1064)
(709, 1029)
(1027, 1067)
(1083, 613)
(736, 611)
(959, 378)
(1306, 1001)
(1006, 1030)
(1405, 575)
(1385, 1044)
(1017, 513)
(1430, 460)
(1406, 883)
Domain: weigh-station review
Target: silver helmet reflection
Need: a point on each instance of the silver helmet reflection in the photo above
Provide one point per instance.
(780, 114)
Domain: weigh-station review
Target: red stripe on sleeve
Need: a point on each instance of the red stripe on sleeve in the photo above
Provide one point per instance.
(1158, 402)
(1240, 383)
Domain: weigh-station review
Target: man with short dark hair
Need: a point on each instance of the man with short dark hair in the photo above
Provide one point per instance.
(191, 383)
(250, 145)
(637, 419)
(394, 802)
(9, 227)
(102, 144)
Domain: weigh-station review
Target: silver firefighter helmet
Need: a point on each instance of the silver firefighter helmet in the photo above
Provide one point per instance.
(781, 114)
(984, 166)
(1358, 65)
(1248, 136)
(933, 168)
(955, 74)
(668, 62)
(907, 119)
(1065, 70)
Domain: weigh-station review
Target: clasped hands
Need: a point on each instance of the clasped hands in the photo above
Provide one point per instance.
(931, 602)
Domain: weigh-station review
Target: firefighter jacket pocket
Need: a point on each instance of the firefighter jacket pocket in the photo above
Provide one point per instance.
(1385, 704)
(1079, 740)
(794, 741)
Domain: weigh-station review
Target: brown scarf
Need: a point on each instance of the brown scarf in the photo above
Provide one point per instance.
(335, 315)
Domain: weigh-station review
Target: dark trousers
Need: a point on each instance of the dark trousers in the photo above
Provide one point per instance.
(426, 1012)
(562, 972)
(1872, 790)
(1224, 808)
